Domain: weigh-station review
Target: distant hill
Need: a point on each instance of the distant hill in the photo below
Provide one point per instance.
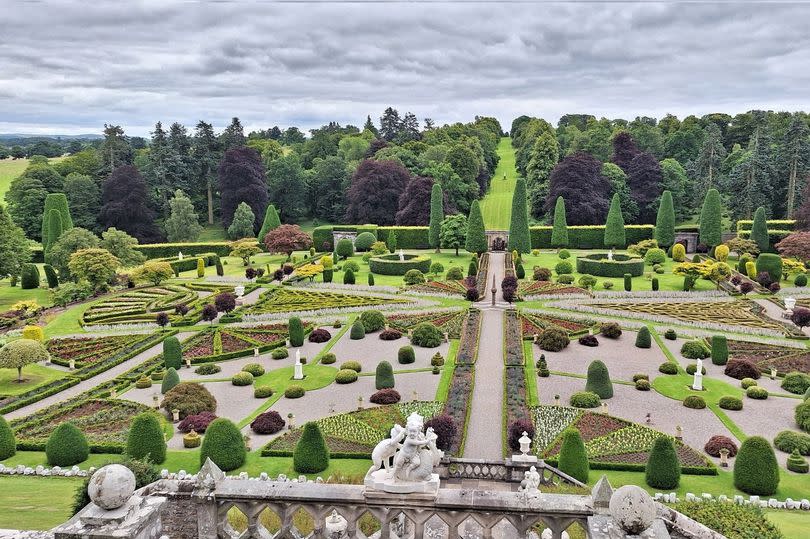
(11, 136)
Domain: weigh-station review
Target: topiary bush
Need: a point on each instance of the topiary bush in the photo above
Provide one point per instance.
(262, 392)
(573, 456)
(598, 380)
(348, 276)
(146, 440)
(364, 241)
(29, 277)
(796, 382)
(294, 392)
(584, 399)
(655, 256)
(756, 392)
(802, 416)
(643, 385)
(372, 321)
(730, 403)
(346, 376)
(553, 340)
(192, 440)
(756, 470)
(224, 445)
(742, 368)
(719, 350)
(358, 331)
(628, 282)
(384, 375)
(696, 402)
(253, 368)
(8, 444)
(170, 379)
(172, 353)
(663, 470)
(319, 335)
(66, 446)
(296, 329)
(385, 396)
(796, 463)
(311, 453)
(668, 368)
(242, 379)
(718, 442)
(351, 365)
(426, 335)
(800, 280)
(390, 335)
(643, 339)
(189, 398)
(563, 267)
(280, 353)
(267, 423)
(790, 441)
(770, 263)
(589, 340)
(745, 383)
(413, 276)
(611, 330)
(692, 368)
(197, 422)
(670, 335)
(695, 350)
(344, 248)
(208, 368)
(328, 358)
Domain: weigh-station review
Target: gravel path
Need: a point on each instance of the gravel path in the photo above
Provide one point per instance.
(370, 350)
(92, 382)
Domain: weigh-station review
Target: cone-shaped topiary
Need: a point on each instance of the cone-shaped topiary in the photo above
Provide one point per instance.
(170, 379)
(348, 277)
(296, 329)
(200, 268)
(663, 469)
(573, 457)
(172, 353)
(643, 339)
(66, 446)
(759, 230)
(29, 277)
(719, 350)
(756, 470)
(358, 331)
(8, 444)
(54, 227)
(50, 276)
(796, 463)
(224, 445)
(559, 233)
(665, 221)
(476, 241)
(519, 235)
(436, 215)
(628, 282)
(271, 222)
(384, 376)
(614, 225)
(311, 454)
(59, 203)
(146, 439)
(710, 219)
(599, 380)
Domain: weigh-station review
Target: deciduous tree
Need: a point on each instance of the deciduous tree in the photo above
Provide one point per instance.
(84, 200)
(122, 246)
(578, 179)
(14, 250)
(644, 178)
(286, 182)
(96, 266)
(124, 205)
(242, 179)
(453, 232)
(286, 239)
(373, 196)
(71, 241)
(17, 354)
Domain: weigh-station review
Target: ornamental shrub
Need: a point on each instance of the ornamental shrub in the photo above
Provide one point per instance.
(426, 335)
(454, 274)
(472, 269)
(654, 282)
(437, 360)
(197, 422)
(742, 368)
(372, 321)
(611, 330)
(573, 457)
(696, 402)
(319, 335)
(771, 264)
(796, 382)
(637, 377)
(541, 274)
(730, 403)
(790, 441)
(385, 396)
(564, 254)
(643, 339)
(33, 333)
(584, 399)
(663, 470)
(189, 398)
(563, 267)
(146, 439)
(565, 279)
(364, 241)
(718, 442)
(655, 256)
(348, 276)
(719, 350)
(280, 353)
(351, 265)
(800, 280)
(224, 445)
(53, 280)
(695, 349)
(351, 365)
(267, 423)
(344, 248)
(143, 382)
(721, 253)
(358, 331)
(8, 444)
(542, 367)
(628, 282)
(670, 335)
(262, 392)
(66, 446)
(520, 272)
(678, 252)
(413, 276)
(406, 355)
(445, 429)
(756, 470)
(217, 346)
(242, 379)
(294, 392)
(692, 368)
(802, 416)
(796, 463)
(745, 383)
(200, 268)
(516, 430)
(311, 453)
(384, 375)
(29, 277)
(598, 380)
(172, 353)
(751, 270)
(643, 385)
(254, 368)
(170, 379)
(668, 368)
(553, 340)
(328, 358)
(756, 392)
(589, 340)
(390, 334)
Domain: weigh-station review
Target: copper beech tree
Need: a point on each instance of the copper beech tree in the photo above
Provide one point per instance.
(286, 239)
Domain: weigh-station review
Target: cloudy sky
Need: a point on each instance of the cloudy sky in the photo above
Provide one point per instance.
(69, 68)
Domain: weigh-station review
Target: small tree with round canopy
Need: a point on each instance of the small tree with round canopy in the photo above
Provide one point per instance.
(18, 354)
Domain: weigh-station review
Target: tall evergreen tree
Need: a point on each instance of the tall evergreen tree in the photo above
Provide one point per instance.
(369, 126)
(328, 181)
(752, 179)
(711, 215)
(389, 124)
(544, 156)
(84, 200)
(183, 224)
(58, 202)
(156, 169)
(665, 221)
(614, 226)
(677, 182)
(709, 162)
(759, 230)
(618, 184)
(287, 186)
(436, 216)
(242, 179)
(124, 205)
(115, 151)
(53, 230)
(234, 135)
(794, 162)
(519, 236)
(559, 232)
(476, 241)
(205, 152)
(243, 222)
(644, 178)
(271, 222)
(14, 250)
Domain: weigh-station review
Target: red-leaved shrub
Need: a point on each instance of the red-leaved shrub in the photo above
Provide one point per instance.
(516, 430)
(386, 396)
(718, 442)
(390, 334)
(319, 335)
(198, 422)
(267, 423)
(742, 368)
(445, 429)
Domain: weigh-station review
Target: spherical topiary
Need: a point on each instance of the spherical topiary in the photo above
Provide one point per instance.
(695, 350)
(756, 470)
(426, 335)
(742, 368)
(553, 340)
(372, 321)
(262, 392)
(8, 444)
(756, 392)
(668, 368)
(643, 339)
(146, 439)
(390, 335)
(311, 454)
(319, 335)
(584, 399)
(663, 470)
(351, 365)
(789, 441)
(189, 398)
(670, 335)
(719, 350)
(796, 463)
(358, 331)
(696, 402)
(564, 254)
(66, 446)
(643, 385)
(796, 382)
(730, 403)
(385, 396)
(294, 392)
(328, 358)
(692, 368)
(267, 423)
(170, 379)
(384, 375)
(346, 376)
(364, 241)
(611, 330)
(242, 379)
(655, 256)
(800, 280)
(197, 422)
(172, 353)
(253, 368)
(563, 267)
(224, 445)
(598, 380)
(718, 442)
(414, 276)
(280, 353)
(747, 382)
(296, 329)
(573, 457)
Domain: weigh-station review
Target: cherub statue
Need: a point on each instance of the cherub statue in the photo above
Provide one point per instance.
(381, 456)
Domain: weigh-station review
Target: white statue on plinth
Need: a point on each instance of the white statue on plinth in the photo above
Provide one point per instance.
(531, 482)
(239, 290)
(179, 255)
(299, 368)
(610, 254)
(415, 456)
(697, 384)
(401, 255)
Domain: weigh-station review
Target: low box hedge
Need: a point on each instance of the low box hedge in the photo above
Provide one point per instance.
(408, 237)
(391, 264)
(170, 250)
(599, 265)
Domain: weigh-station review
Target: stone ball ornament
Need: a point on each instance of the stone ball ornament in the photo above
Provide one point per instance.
(111, 486)
(632, 508)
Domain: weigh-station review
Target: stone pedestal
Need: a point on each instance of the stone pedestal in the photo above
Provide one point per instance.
(138, 518)
(384, 481)
(299, 372)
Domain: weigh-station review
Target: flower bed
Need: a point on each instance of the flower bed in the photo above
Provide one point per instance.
(513, 339)
(449, 322)
(90, 350)
(468, 340)
(481, 276)
(784, 359)
(545, 288)
(457, 405)
(236, 342)
(285, 299)
(535, 323)
(137, 306)
(440, 287)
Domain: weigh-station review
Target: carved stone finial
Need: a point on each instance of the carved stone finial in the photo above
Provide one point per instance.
(632, 508)
(111, 486)
(209, 475)
(601, 494)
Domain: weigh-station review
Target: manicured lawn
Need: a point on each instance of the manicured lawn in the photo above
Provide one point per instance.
(9, 295)
(496, 206)
(215, 232)
(792, 524)
(33, 376)
(10, 169)
(67, 321)
(35, 503)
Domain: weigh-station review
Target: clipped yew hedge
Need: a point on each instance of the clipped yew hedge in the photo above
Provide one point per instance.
(598, 264)
(391, 264)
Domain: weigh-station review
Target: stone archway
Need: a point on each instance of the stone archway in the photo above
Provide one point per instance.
(497, 239)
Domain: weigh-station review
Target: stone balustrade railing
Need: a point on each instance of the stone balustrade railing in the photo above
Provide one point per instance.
(506, 470)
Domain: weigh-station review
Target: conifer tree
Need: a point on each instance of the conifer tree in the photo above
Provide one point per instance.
(519, 235)
(58, 202)
(710, 219)
(559, 233)
(242, 224)
(182, 225)
(271, 221)
(665, 222)
(709, 160)
(436, 216)
(759, 230)
(614, 226)
(794, 161)
(476, 241)
(752, 178)
(54, 230)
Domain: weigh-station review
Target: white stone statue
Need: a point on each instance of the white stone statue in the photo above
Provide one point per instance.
(531, 481)
(401, 255)
(179, 255)
(610, 254)
(697, 384)
(381, 456)
(299, 368)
